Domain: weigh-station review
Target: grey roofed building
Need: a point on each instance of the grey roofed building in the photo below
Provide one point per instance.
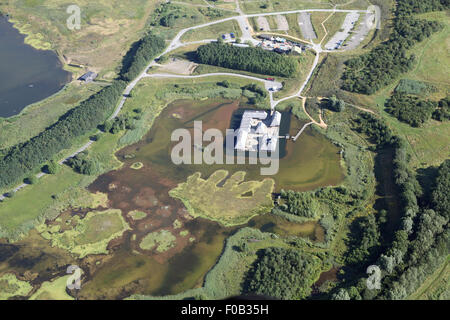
(88, 76)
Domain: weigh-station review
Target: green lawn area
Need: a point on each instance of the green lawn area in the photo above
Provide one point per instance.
(292, 85)
(262, 6)
(333, 25)
(108, 27)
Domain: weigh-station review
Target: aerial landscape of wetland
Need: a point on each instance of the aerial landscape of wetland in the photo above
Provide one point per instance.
(230, 149)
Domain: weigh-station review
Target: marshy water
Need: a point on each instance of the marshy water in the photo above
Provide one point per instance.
(27, 75)
(312, 161)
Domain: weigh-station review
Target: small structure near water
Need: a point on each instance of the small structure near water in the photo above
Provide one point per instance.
(88, 77)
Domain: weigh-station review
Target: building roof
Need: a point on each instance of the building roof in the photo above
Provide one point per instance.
(275, 120)
(241, 139)
(88, 76)
(261, 128)
(268, 143)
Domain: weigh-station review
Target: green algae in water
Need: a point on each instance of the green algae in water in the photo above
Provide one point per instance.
(163, 240)
(10, 286)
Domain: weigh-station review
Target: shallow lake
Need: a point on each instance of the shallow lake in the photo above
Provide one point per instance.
(27, 75)
(312, 161)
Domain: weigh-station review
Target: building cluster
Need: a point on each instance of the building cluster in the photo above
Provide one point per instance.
(258, 131)
(280, 45)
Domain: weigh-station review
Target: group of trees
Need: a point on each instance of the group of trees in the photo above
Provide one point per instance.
(371, 71)
(140, 56)
(377, 131)
(410, 109)
(122, 122)
(22, 159)
(334, 104)
(416, 111)
(364, 241)
(84, 164)
(425, 244)
(260, 93)
(249, 59)
(301, 204)
(442, 112)
(282, 273)
(165, 15)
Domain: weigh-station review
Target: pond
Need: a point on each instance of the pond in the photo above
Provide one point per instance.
(27, 75)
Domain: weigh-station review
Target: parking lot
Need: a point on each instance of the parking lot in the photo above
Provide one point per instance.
(306, 27)
(338, 39)
(360, 33)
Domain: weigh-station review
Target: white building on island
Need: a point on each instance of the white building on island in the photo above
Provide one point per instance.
(258, 131)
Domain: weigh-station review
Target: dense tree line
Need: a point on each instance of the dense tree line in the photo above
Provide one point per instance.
(282, 273)
(441, 193)
(140, 56)
(408, 7)
(20, 160)
(426, 246)
(27, 156)
(249, 59)
(421, 240)
(301, 204)
(371, 71)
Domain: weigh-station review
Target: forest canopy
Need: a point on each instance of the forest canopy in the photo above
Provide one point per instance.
(283, 273)
(249, 59)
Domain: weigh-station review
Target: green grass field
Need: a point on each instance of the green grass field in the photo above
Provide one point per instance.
(107, 29)
(258, 6)
(212, 32)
